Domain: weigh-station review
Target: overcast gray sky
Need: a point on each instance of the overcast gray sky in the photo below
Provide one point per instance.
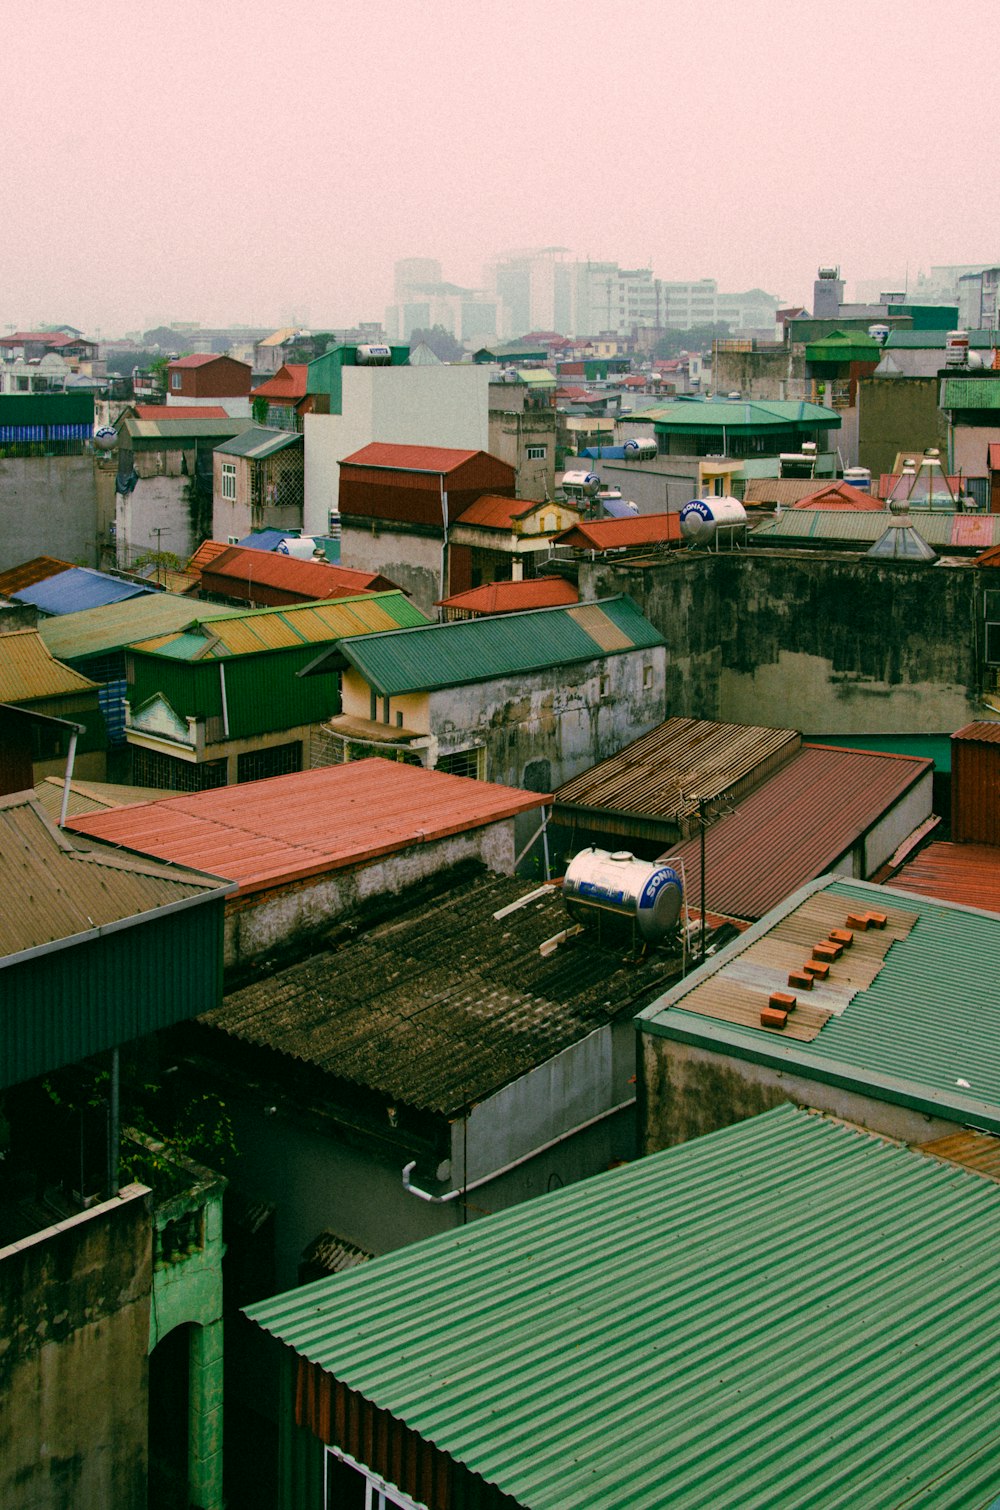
(222, 162)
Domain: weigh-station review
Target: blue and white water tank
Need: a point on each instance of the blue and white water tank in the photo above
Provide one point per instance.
(639, 450)
(601, 881)
(859, 477)
(581, 484)
(702, 518)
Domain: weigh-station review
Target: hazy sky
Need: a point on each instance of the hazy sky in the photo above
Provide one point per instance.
(201, 159)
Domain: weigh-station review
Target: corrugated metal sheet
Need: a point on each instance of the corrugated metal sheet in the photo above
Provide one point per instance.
(29, 672)
(444, 1003)
(206, 552)
(258, 443)
(839, 495)
(512, 597)
(180, 411)
(966, 873)
(493, 512)
(975, 784)
(856, 531)
(437, 459)
(78, 588)
(755, 1318)
(972, 1150)
(970, 393)
(475, 650)
(256, 629)
(656, 775)
(176, 431)
(925, 1033)
(250, 571)
(89, 796)
(30, 572)
(622, 534)
(263, 833)
(794, 827)
(771, 490)
(112, 626)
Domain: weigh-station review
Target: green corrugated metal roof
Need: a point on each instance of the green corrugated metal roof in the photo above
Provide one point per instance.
(934, 340)
(842, 346)
(536, 377)
(476, 650)
(789, 1312)
(971, 393)
(929, 1020)
(259, 443)
(713, 414)
(95, 631)
(46, 408)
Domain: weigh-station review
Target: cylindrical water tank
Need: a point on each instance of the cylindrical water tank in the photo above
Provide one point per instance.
(956, 348)
(373, 356)
(879, 333)
(702, 517)
(299, 546)
(639, 450)
(581, 482)
(648, 895)
(859, 477)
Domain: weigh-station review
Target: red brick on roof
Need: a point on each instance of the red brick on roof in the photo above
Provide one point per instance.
(619, 534)
(511, 597)
(272, 579)
(268, 833)
(437, 459)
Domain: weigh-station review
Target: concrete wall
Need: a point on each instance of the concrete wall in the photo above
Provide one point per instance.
(48, 507)
(898, 414)
(686, 1091)
(74, 1319)
(408, 558)
(828, 645)
(421, 406)
(158, 503)
(541, 728)
(969, 448)
(263, 921)
(511, 432)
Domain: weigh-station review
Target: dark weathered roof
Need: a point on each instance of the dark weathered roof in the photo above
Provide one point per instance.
(445, 1003)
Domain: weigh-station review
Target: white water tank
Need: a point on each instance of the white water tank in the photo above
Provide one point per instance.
(373, 356)
(639, 450)
(646, 894)
(581, 483)
(702, 517)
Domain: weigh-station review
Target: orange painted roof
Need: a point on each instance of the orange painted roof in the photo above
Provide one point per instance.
(206, 552)
(509, 597)
(180, 411)
(839, 495)
(408, 458)
(617, 534)
(964, 873)
(288, 382)
(267, 833)
(243, 566)
(495, 513)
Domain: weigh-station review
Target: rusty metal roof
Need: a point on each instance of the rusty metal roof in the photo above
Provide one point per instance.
(113, 626)
(266, 833)
(622, 534)
(444, 1002)
(30, 572)
(57, 887)
(491, 511)
(28, 670)
(795, 826)
(245, 567)
(662, 774)
(90, 796)
(981, 732)
(966, 873)
(510, 597)
(248, 630)
(977, 1151)
(396, 458)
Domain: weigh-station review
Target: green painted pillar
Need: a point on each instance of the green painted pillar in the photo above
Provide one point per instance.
(205, 1417)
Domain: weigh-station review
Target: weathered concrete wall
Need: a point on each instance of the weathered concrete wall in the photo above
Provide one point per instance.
(541, 729)
(48, 507)
(686, 1091)
(159, 503)
(761, 375)
(262, 922)
(897, 414)
(74, 1330)
(828, 645)
(411, 560)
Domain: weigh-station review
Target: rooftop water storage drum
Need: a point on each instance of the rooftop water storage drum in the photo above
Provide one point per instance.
(859, 477)
(581, 484)
(598, 881)
(639, 450)
(373, 356)
(702, 518)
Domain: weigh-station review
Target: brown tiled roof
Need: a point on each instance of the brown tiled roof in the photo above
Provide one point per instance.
(445, 1002)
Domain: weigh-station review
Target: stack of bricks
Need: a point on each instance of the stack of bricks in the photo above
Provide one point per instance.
(817, 967)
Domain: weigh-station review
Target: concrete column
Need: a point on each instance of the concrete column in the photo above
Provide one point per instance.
(205, 1417)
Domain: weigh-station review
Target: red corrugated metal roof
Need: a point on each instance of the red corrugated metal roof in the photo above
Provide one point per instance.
(964, 873)
(616, 534)
(288, 382)
(180, 411)
(993, 456)
(206, 552)
(268, 833)
(200, 359)
(509, 597)
(49, 337)
(972, 529)
(496, 513)
(241, 565)
(409, 458)
(794, 827)
(983, 731)
(989, 558)
(839, 495)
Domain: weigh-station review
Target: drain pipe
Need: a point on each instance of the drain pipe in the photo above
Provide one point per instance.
(425, 1195)
(77, 729)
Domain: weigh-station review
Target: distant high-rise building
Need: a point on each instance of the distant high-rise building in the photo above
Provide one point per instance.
(614, 299)
(536, 289)
(423, 300)
(411, 271)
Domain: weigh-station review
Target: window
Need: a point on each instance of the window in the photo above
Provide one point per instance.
(348, 1485)
(229, 480)
(176, 379)
(536, 453)
(647, 677)
(276, 760)
(464, 763)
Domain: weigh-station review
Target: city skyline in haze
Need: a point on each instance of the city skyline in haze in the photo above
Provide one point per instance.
(242, 164)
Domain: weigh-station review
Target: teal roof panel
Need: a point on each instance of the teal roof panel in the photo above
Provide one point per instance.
(788, 1312)
(971, 393)
(737, 414)
(475, 650)
(925, 1034)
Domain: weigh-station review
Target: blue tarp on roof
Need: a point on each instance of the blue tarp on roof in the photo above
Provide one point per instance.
(78, 588)
(265, 540)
